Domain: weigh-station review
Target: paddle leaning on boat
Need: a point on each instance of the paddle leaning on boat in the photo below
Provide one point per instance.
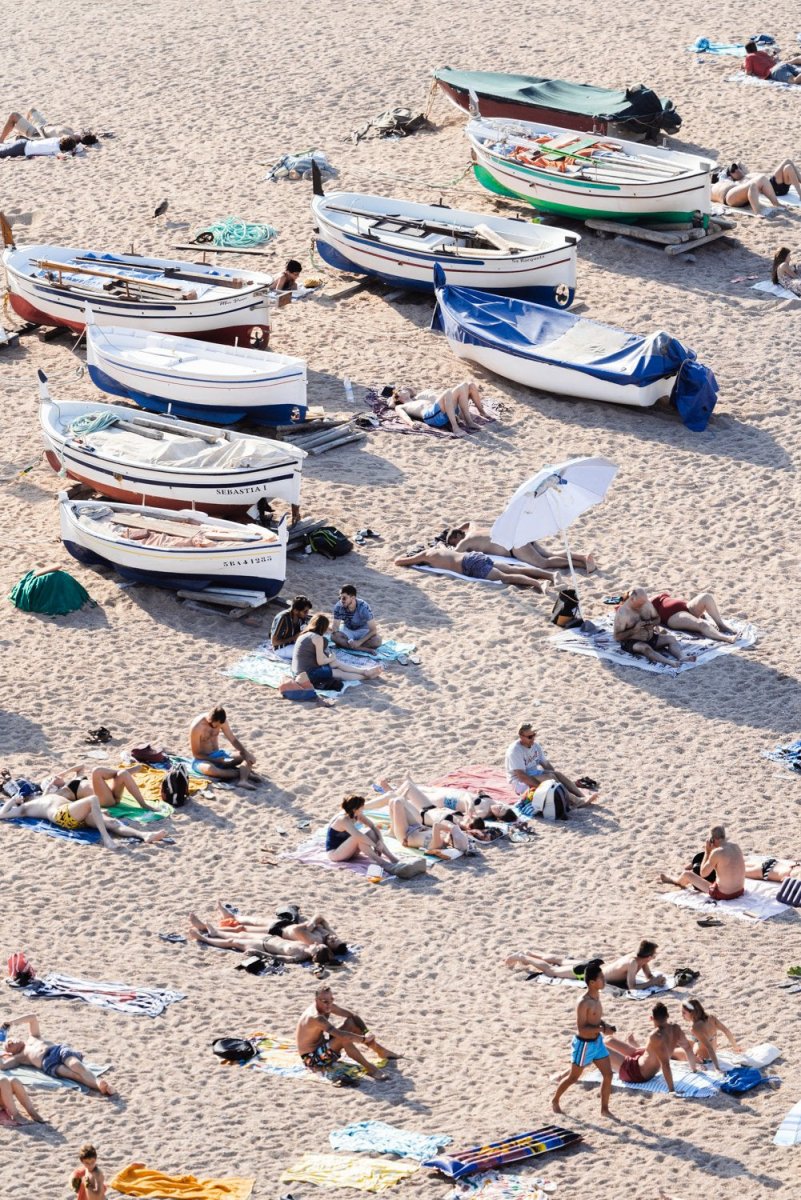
(568, 355)
(588, 175)
(400, 242)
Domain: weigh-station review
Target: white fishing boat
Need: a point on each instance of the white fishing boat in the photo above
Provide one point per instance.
(585, 175)
(193, 379)
(52, 285)
(400, 242)
(136, 458)
(183, 550)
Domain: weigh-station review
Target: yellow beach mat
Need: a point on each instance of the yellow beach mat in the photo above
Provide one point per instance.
(349, 1170)
(139, 1180)
(149, 781)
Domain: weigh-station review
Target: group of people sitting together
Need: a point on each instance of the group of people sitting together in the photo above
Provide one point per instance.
(303, 639)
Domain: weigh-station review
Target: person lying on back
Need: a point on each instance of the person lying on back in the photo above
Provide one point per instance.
(289, 625)
(474, 566)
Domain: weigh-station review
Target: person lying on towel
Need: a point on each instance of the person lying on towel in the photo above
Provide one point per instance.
(288, 941)
(85, 813)
(439, 410)
(638, 1064)
(735, 187)
(417, 823)
(721, 872)
(630, 971)
(107, 783)
(459, 801)
(473, 566)
(637, 630)
(55, 1059)
(321, 1044)
(765, 64)
(784, 273)
(471, 535)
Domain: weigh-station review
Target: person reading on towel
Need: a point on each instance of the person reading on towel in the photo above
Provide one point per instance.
(78, 814)
(784, 273)
(705, 1030)
(287, 281)
(210, 760)
(527, 767)
(636, 628)
(473, 566)
(108, 784)
(288, 625)
(700, 616)
(722, 857)
(630, 971)
(55, 1059)
(321, 1044)
(439, 410)
(588, 1048)
(765, 65)
(638, 1064)
(470, 535)
(355, 627)
(351, 833)
(308, 941)
(312, 663)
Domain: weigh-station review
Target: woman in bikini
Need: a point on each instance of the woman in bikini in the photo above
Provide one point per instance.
(734, 188)
(352, 833)
(12, 1092)
(784, 273)
(432, 829)
(77, 814)
(705, 1030)
(700, 615)
(106, 783)
(439, 409)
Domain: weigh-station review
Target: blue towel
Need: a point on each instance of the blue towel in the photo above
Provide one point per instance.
(72, 835)
(703, 45)
(380, 1138)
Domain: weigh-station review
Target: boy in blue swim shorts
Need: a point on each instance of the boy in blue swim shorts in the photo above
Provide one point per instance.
(588, 1043)
(215, 763)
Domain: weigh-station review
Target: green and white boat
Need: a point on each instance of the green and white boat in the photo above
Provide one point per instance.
(585, 175)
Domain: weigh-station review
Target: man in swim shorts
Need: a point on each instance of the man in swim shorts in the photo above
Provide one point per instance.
(321, 1043)
(55, 1059)
(723, 857)
(470, 535)
(440, 409)
(473, 566)
(588, 1043)
(210, 760)
(638, 1064)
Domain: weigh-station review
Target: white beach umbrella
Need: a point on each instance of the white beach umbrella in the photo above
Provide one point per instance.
(550, 501)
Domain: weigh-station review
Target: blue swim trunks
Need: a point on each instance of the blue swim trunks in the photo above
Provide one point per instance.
(477, 566)
(221, 757)
(435, 417)
(55, 1057)
(585, 1052)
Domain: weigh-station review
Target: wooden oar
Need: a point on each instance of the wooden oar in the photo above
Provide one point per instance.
(178, 528)
(70, 268)
(177, 273)
(416, 222)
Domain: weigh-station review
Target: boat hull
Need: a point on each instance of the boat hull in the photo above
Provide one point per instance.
(496, 106)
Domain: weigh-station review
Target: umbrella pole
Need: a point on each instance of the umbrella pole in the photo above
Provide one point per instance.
(570, 562)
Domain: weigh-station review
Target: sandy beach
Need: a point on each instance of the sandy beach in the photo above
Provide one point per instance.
(202, 98)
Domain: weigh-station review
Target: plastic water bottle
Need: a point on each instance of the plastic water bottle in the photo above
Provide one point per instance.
(348, 386)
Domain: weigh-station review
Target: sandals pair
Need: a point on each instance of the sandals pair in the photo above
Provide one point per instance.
(363, 534)
(98, 737)
(708, 922)
(586, 782)
(404, 659)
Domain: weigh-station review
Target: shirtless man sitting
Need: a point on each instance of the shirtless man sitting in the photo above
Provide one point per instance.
(638, 1064)
(623, 972)
(725, 859)
(321, 1044)
(55, 1059)
(210, 760)
(469, 535)
(474, 566)
(311, 941)
(636, 628)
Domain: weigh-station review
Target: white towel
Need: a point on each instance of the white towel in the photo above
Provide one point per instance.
(773, 289)
(696, 1085)
(789, 1132)
(496, 558)
(620, 993)
(603, 645)
(758, 903)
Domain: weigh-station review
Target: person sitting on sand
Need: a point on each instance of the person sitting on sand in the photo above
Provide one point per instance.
(735, 188)
(355, 627)
(705, 1030)
(700, 616)
(624, 972)
(12, 1093)
(469, 535)
(764, 64)
(107, 783)
(252, 939)
(210, 760)
(313, 664)
(321, 1044)
(87, 1180)
(440, 409)
(723, 857)
(351, 833)
(55, 1059)
(474, 566)
(636, 629)
(527, 767)
(638, 1064)
(588, 1048)
(78, 814)
(785, 273)
(288, 625)
(287, 281)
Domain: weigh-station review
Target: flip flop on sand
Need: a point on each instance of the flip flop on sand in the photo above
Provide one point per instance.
(707, 922)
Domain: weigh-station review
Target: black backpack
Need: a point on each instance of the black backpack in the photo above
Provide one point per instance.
(330, 542)
(234, 1049)
(175, 786)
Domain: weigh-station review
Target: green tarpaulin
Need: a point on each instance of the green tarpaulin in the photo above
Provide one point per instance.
(55, 592)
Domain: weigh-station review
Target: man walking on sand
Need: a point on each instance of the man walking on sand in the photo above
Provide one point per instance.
(210, 760)
(588, 1043)
(55, 1059)
(321, 1044)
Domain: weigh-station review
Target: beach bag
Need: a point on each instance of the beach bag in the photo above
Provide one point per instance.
(234, 1049)
(175, 786)
(291, 689)
(566, 613)
(330, 542)
(741, 1079)
(695, 394)
(20, 971)
(550, 801)
(790, 893)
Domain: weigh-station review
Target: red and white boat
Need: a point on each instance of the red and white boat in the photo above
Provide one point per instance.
(54, 285)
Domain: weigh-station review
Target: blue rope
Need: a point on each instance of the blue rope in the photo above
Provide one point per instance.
(92, 423)
(230, 231)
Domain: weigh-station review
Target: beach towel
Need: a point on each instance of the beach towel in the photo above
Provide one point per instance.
(123, 997)
(37, 1079)
(336, 1170)
(480, 778)
(89, 837)
(279, 1056)
(139, 1180)
(753, 81)
(312, 852)
(379, 1138)
(494, 1185)
(511, 1150)
(263, 665)
(496, 558)
(620, 993)
(388, 652)
(698, 1085)
(788, 754)
(758, 903)
(773, 289)
(150, 778)
(598, 642)
(789, 1132)
(298, 165)
(703, 45)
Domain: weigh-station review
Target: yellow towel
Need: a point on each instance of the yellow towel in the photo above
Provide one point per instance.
(149, 782)
(349, 1170)
(139, 1180)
